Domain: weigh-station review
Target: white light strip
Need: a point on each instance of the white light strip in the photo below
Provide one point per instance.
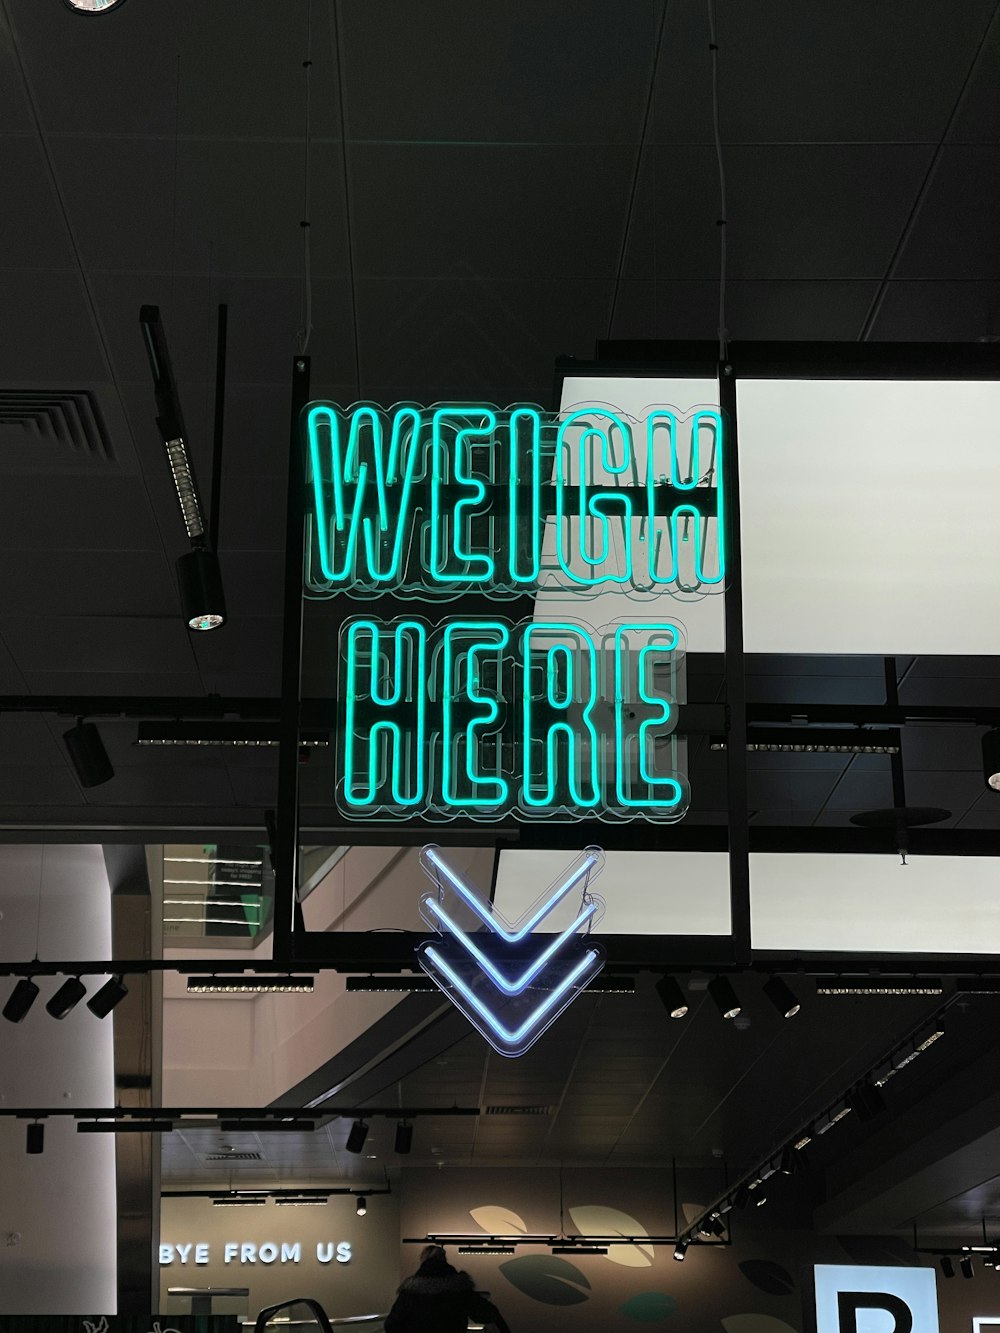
(208, 861)
(214, 883)
(210, 921)
(213, 902)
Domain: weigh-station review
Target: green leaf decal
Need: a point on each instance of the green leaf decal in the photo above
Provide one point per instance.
(546, 1278)
(497, 1221)
(649, 1307)
(768, 1276)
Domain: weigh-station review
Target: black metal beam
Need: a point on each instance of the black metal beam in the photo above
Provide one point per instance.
(191, 1113)
(285, 852)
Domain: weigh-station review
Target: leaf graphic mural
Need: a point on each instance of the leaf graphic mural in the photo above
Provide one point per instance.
(546, 1278)
(692, 1211)
(768, 1276)
(596, 1220)
(496, 1220)
(756, 1323)
(649, 1307)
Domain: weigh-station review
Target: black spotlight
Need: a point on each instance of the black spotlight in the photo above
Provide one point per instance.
(67, 997)
(866, 1101)
(110, 994)
(789, 1162)
(680, 1250)
(991, 758)
(357, 1136)
(35, 1139)
(200, 582)
(93, 6)
(741, 1197)
(404, 1137)
(22, 997)
(947, 1267)
(782, 997)
(362, 1206)
(87, 754)
(721, 991)
(713, 1226)
(966, 1266)
(672, 997)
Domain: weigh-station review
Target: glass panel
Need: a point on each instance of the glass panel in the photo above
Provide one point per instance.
(852, 541)
(874, 904)
(215, 891)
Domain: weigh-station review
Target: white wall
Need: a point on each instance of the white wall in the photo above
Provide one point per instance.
(60, 1205)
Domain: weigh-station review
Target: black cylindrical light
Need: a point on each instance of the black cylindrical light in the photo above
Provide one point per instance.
(680, 1250)
(966, 1266)
(356, 1138)
(87, 755)
(35, 1139)
(93, 6)
(866, 1101)
(672, 997)
(721, 991)
(22, 997)
(110, 994)
(362, 1206)
(741, 1197)
(782, 997)
(67, 997)
(404, 1137)
(200, 581)
(991, 758)
(947, 1267)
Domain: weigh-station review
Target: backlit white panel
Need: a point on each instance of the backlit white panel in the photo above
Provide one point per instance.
(866, 1298)
(869, 515)
(933, 904)
(647, 893)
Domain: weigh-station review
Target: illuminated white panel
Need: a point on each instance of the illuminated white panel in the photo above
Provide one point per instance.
(901, 1299)
(646, 893)
(933, 904)
(869, 515)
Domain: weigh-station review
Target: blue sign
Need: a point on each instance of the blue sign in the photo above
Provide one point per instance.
(511, 980)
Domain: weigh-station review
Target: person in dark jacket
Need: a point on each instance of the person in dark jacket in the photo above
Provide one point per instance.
(439, 1299)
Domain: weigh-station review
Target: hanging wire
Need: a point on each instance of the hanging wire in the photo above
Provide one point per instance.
(713, 47)
(305, 333)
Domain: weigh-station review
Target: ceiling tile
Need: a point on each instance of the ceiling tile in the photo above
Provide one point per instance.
(964, 186)
(98, 644)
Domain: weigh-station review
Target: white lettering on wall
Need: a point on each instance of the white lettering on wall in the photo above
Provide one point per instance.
(248, 1252)
(201, 1252)
(291, 1254)
(182, 1252)
(324, 1251)
(232, 1250)
(344, 1252)
(268, 1252)
(166, 1254)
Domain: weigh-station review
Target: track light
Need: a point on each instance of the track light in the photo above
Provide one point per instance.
(87, 754)
(202, 597)
(362, 1206)
(760, 1198)
(111, 994)
(991, 758)
(35, 1140)
(672, 997)
(680, 1250)
(721, 990)
(357, 1136)
(782, 997)
(67, 997)
(712, 1226)
(93, 6)
(947, 1267)
(22, 997)
(966, 1266)
(789, 1163)
(404, 1137)
(866, 1101)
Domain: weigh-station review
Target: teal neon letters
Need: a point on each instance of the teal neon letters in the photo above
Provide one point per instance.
(431, 502)
(489, 718)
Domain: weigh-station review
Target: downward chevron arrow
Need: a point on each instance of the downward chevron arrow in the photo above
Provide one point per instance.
(510, 983)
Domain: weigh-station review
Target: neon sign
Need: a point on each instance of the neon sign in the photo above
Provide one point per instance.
(432, 502)
(489, 717)
(510, 984)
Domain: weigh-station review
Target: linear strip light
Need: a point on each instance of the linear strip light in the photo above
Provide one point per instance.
(868, 986)
(210, 921)
(302, 1203)
(488, 1249)
(250, 985)
(124, 1126)
(213, 902)
(579, 1249)
(208, 861)
(816, 740)
(244, 734)
(242, 1201)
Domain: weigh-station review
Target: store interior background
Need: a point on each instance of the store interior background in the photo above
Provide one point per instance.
(489, 188)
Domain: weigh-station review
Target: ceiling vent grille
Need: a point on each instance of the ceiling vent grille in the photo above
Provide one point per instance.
(70, 417)
(520, 1110)
(233, 1157)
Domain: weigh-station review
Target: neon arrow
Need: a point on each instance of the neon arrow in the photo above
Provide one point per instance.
(465, 963)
